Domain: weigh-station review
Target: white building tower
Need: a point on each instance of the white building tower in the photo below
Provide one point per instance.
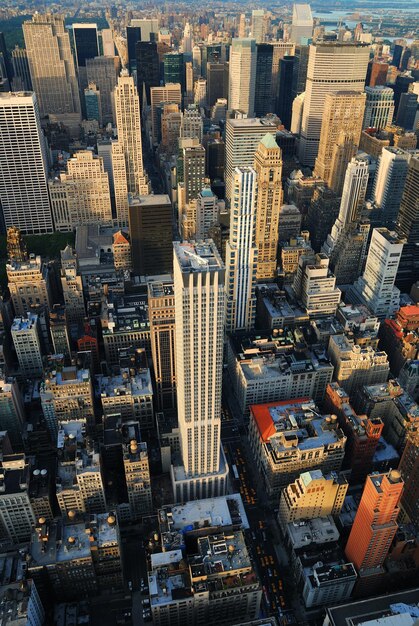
(302, 23)
(199, 311)
(242, 76)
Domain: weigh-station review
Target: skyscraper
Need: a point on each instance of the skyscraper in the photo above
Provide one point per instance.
(133, 37)
(86, 46)
(263, 83)
(128, 122)
(409, 469)
(242, 76)
(216, 82)
(375, 288)
(241, 252)
(158, 95)
(52, 67)
(23, 165)
(104, 72)
(148, 68)
(379, 107)
(284, 97)
(375, 522)
(340, 134)
(21, 69)
(193, 171)
(406, 113)
(302, 23)
(408, 227)
(199, 312)
(331, 67)
(259, 23)
(27, 344)
(150, 225)
(268, 168)
(389, 182)
(174, 69)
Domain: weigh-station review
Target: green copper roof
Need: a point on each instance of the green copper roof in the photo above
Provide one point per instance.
(269, 141)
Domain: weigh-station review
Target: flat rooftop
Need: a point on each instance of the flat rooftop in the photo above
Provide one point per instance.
(125, 384)
(316, 531)
(198, 256)
(364, 611)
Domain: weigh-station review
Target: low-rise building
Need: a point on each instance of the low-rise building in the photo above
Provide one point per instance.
(20, 604)
(273, 311)
(291, 437)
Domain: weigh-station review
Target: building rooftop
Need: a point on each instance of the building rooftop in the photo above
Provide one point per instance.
(14, 603)
(160, 289)
(363, 612)
(125, 384)
(67, 376)
(198, 256)
(253, 122)
(125, 314)
(317, 531)
(23, 324)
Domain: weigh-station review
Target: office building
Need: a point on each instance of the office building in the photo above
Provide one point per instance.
(378, 74)
(59, 331)
(193, 171)
(302, 24)
(23, 165)
(363, 433)
(387, 607)
(161, 309)
(259, 25)
(12, 416)
(406, 113)
(315, 286)
(261, 371)
(174, 69)
(133, 37)
(263, 80)
(331, 67)
(86, 46)
(356, 365)
(284, 97)
(343, 112)
(379, 107)
(21, 603)
(242, 76)
(148, 69)
(375, 522)
(108, 45)
(192, 124)
(128, 394)
(149, 28)
(207, 213)
(125, 326)
(16, 514)
(241, 253)
(137, 473)
(158, 95)
(408, 227)
(121, 249)
(71, 284)
(28, 284)
(52, 69)
(242, 139)
(150, 224)
(375, 288)
(290, 220)
(27, 344)
(82, 195)
(171, 119)
(389, 183)
(313, 494)
(128, 122)
(279, 454)
(281, 49)
(104, 72)
(92, 103)
(21, 70)
(409, 470)
(199, 282)
(216, 87)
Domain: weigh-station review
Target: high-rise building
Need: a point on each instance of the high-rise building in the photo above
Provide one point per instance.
(302, 24)
(299, 75)
(21, 69)
(378, 75)
(137, 473)
(312, 495)
(242, 76)
(406, 113)
(104, 72)
(389, 182)
(375, 522)
(71, 284)
(158, 95)
(128, 122)
(216, 82)
(199, 311)
(16, 513)
(150, 225)
(118, 181)
(408, 226)
(280, 50)
(133, 37)
(148, 69)
(28, 284)
(379, 107)
(86, 46)
(174, 69)
(375, 288)
(27, 344)
(242, 26)
(242, 139)
(263, 81)
(259, 23)
(12, 415)
(316, 286)
(241, 252)
(161, 310)
(23, 165)
(409, 469)
(193, 171)
(207, 212)
(268, 168)
(108, 44)
(171, 120)
(52, 68)
(82, 195)
(284, 97)
(92, 103)
(149, 28)
(192, 124)
(331, 67)
(340, 134)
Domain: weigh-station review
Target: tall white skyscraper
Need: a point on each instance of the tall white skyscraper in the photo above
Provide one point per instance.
(389, 183)
(128, 122)
(379, 107)
(199, 312)
(52, 67)
(241, 252)
(302, 23)
(259, 23)
(242, 76)
(187, 38)
(331, 67)
(24, 196)
(375, 287)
